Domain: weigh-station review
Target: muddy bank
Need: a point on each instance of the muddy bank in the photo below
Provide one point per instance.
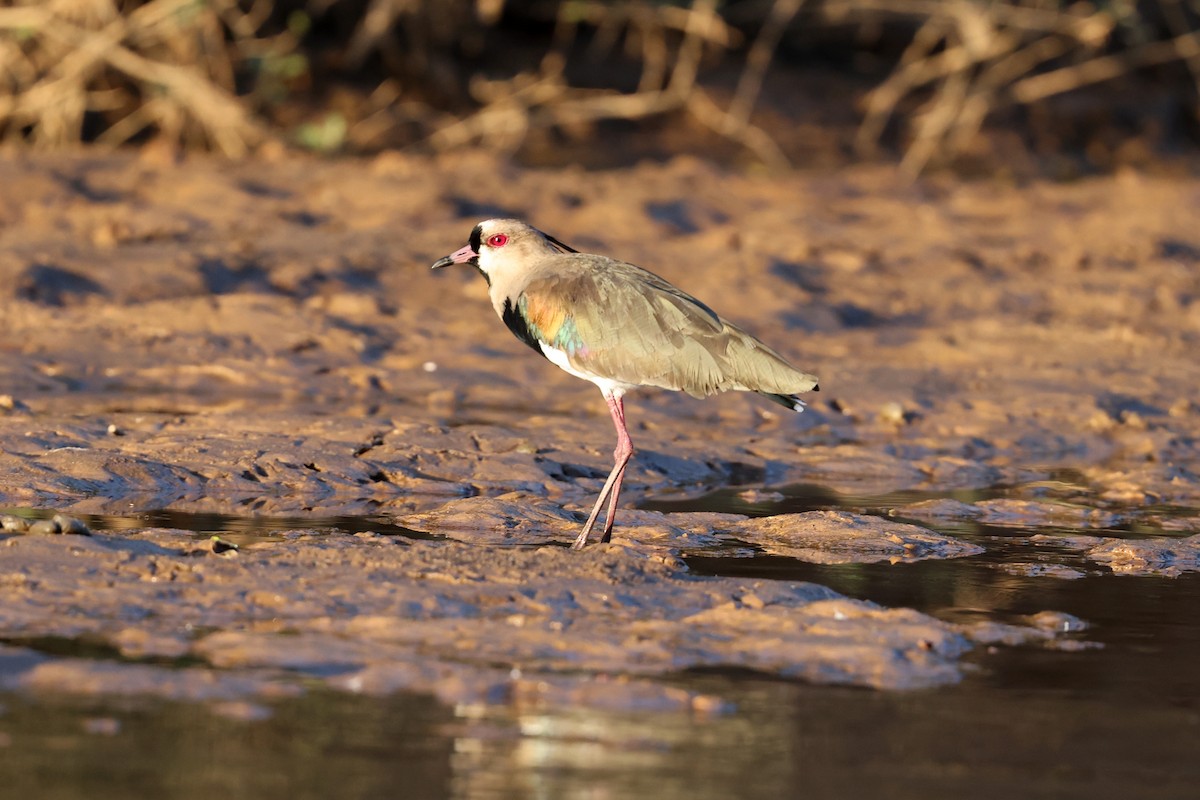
(267, 338)
(377, 614)
(241, 322)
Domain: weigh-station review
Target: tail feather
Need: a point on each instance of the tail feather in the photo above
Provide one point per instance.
(754, 366)
(790, 401)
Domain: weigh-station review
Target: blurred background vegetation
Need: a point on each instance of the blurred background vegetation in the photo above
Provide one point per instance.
(776, 82)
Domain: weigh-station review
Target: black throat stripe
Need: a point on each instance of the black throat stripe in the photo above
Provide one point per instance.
(516, 323)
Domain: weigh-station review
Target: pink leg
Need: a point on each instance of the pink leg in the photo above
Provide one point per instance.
(612, 486)
(621, 456)
(612, 506)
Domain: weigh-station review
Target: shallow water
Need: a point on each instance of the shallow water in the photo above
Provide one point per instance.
(1117, 717)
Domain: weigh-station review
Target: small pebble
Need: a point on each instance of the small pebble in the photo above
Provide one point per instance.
(893, 413)
(839, 407)
(71, 525)
(219, 545)
(113, 430)
(13, 524)
(45, 527)
(59, 524)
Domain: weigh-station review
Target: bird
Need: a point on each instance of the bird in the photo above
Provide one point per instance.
(620, 327)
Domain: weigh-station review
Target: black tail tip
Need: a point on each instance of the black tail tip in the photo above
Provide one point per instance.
(789, 401)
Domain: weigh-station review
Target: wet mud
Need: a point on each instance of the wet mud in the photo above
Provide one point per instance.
(377, 614)
(266, 339)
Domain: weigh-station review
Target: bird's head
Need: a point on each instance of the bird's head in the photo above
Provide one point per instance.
(504, 246)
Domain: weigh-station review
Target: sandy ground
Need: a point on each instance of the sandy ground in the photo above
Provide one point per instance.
(267, 338)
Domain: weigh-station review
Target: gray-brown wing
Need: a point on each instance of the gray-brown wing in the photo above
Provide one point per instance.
(618, 321)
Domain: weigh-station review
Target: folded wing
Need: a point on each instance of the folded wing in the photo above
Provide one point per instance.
(617, 321)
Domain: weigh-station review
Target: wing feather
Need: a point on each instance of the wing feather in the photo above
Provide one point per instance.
(619, 322)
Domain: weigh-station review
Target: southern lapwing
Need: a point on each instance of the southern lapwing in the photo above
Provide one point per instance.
(619, 327)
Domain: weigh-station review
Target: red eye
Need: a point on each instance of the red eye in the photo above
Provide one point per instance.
(499, 240)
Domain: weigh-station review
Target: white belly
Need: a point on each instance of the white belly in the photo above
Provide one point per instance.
(608, 386)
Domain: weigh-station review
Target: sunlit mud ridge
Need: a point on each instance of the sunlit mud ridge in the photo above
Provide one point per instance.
(369, 613)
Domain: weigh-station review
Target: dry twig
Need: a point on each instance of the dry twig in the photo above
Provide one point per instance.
(668, 82)
(178, 68)
(161, 66)
(974, 58)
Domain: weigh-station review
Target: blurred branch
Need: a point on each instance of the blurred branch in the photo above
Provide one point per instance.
(201, 72)
(762, 52)
(1105, 68)
(973, 58)
(67, 52)
(513, 108)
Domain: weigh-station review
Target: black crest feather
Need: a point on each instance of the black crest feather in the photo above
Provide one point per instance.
(562, 248)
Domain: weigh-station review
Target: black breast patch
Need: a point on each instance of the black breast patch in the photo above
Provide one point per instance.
(520, 328)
